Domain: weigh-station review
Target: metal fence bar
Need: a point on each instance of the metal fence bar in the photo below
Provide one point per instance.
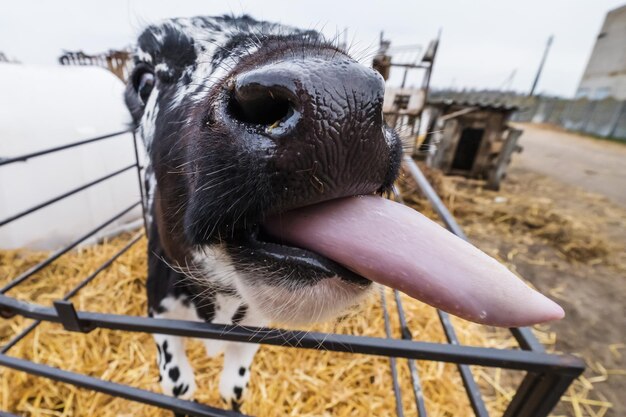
(547, 395)
(141, 184)
(415, 379)
(25, 157)
(102, 267)
(392, 360)
(15, 340)
(118, 390)
(63, 251)
(73, 292)
(526, 339)
(431, 195)
(539, 393)
(473, 392)
(471, 355)
(524, 391)
(62, 196)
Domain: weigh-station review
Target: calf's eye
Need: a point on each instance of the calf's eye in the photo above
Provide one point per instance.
(145, 86)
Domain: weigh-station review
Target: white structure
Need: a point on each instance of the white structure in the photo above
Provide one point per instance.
(605, 75)
(43, 107)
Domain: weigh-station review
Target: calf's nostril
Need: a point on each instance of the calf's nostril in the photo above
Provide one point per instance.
(257, 104)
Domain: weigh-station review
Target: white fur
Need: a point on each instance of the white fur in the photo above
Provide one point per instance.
(175, 310)
(237, 356)
(148, 120)
(143, 56)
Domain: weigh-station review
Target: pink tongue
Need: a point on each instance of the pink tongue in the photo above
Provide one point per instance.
(394, 245)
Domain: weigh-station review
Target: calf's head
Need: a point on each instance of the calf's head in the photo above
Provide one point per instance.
(258, 134)
(244, 120)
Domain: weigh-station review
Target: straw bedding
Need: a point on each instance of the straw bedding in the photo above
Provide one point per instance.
(285, 382)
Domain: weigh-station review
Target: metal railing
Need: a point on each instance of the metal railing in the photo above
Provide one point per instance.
(547, 375)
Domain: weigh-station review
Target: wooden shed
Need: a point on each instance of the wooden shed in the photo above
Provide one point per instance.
(471, 137)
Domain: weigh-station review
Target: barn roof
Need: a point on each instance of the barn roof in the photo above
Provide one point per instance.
(484, 99)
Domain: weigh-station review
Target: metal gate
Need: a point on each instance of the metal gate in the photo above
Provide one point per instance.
(547, 375)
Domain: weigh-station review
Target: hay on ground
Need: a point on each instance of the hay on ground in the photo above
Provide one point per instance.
(285, 382)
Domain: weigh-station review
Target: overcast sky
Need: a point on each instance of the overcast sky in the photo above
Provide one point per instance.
(483, 41)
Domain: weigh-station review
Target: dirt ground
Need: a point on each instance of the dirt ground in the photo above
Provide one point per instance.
(595, 165)
(560, 221)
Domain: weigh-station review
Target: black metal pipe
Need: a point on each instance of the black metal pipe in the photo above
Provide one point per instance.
(25, 332)
(25, 157)
(471, 355)
(524, 393)
(392, 361)
(526, 339)
(473, 392)
(418, 393)
(62, 251)
(117, 390)
(141, 185)
(102, 267)
(62, 196)
(445, 215)
(538, 394)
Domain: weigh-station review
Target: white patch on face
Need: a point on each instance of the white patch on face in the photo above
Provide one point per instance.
(199, 86)
(204, 74)
(152, 184)
(162, 67)
(207, 41)
(148, 120)
(143, 56)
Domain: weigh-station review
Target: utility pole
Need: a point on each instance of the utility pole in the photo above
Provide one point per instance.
(540, 69)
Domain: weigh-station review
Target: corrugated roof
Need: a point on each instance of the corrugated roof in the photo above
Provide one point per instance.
(483, 99)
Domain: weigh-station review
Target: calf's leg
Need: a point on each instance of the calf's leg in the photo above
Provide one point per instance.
(176, 375)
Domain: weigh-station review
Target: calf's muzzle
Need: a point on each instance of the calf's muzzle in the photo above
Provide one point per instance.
(320, 121)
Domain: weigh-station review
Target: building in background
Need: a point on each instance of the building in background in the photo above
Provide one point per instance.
(605, 75)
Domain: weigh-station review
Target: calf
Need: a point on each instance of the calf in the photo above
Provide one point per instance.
(243, 119)
(258, 134)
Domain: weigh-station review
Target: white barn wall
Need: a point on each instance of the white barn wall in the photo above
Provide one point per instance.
(42, 107)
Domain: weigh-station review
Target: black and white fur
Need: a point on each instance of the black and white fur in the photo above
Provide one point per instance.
(214, 176)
